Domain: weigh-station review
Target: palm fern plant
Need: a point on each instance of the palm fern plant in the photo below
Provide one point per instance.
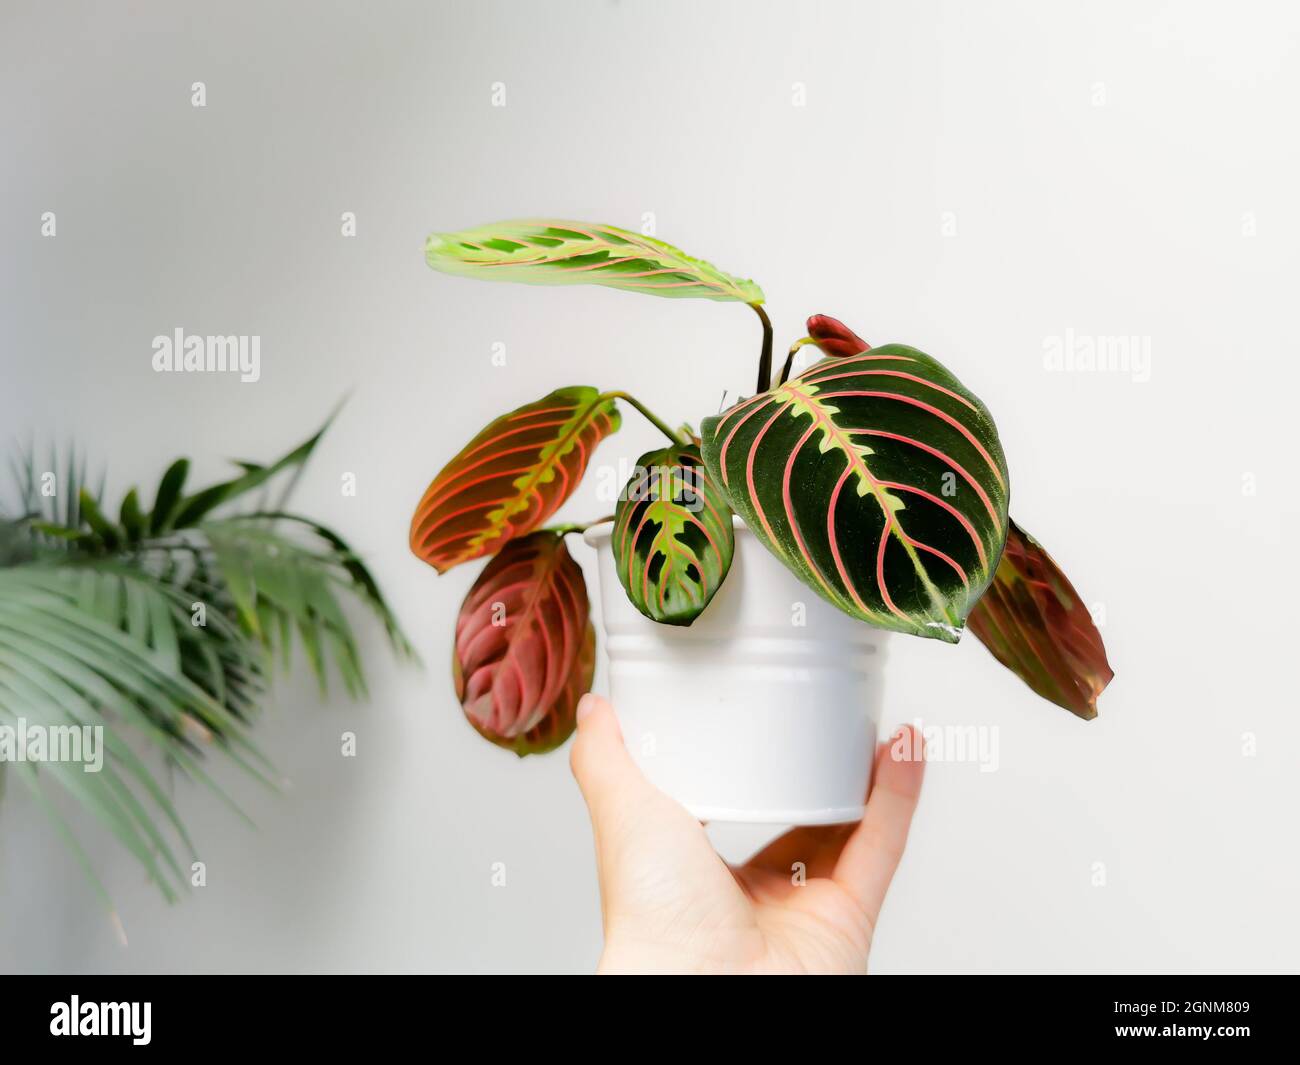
(161, 627)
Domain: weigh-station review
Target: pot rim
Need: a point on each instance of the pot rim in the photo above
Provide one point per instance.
(598, 533)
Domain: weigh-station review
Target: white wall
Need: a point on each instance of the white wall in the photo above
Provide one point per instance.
(1100, 161)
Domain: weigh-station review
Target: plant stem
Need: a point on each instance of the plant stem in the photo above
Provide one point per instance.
(579, 527)
(765, 356)
(789, 359)
(649, 415)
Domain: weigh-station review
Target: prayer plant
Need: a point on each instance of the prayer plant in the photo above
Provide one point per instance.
(875, 476)
(160, 627)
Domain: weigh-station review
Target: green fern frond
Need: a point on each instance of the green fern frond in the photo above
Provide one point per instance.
(161, 627)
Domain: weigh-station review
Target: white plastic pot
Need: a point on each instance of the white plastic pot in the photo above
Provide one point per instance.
(764, 710)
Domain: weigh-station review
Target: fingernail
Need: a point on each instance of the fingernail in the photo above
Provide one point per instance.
(586, 705)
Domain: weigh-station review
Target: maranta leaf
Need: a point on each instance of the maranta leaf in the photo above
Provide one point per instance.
(673, 537)
(524, 643)
(511, 477)
(1036, 625)
(553, 252)
(878, 479)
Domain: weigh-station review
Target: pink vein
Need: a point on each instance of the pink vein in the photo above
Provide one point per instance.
(906, 377)
(749, 471)
(941, 415)
(965, 521)
(979, 489)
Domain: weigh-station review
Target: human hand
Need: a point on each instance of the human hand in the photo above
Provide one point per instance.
(670, 904)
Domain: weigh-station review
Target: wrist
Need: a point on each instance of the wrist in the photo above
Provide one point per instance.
(624, 956)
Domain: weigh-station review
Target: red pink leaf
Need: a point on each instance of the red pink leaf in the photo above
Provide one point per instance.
(524, 646)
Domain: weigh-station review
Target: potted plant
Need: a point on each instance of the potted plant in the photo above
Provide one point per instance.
(873, 479)
(158, 628)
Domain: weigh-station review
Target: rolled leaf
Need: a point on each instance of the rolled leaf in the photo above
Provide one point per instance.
(521, 639)
(511, 477)
(878, 479)
(835, 338)
(673, 538)
(1036, 625)
(552, 252)
(831, 336)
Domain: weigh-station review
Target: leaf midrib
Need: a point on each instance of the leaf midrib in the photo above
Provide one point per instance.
(822, 413)
(562, 446)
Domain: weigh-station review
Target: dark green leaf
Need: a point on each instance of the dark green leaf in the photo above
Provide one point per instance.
(673, 538)
(132, 519)
(879, 481)
(168, 496)
(109, 534)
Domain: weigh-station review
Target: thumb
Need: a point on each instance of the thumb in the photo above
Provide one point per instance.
(611, 783)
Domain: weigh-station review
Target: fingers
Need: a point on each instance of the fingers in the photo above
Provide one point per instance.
(818, 847)
(610, 781)
(872, 853)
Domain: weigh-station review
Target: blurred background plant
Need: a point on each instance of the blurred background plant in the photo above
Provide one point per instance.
(163, 626)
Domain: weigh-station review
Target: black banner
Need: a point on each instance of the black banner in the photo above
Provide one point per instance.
(1228, 1014)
